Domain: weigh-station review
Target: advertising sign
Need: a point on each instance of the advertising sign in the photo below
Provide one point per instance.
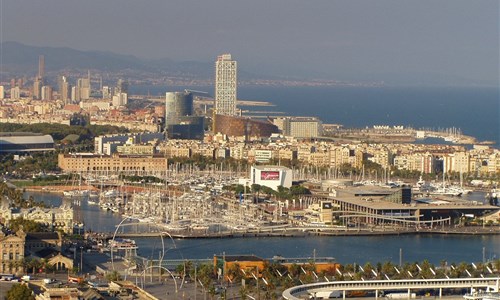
(269, 175)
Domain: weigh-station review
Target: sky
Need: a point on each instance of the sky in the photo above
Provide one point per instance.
(334, 39)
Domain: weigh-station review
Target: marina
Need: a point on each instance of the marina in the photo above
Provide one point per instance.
(351, 248)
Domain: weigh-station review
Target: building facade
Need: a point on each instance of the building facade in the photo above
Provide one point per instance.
(271, 176)
(89, 162)
(300, 127)
(225, 85)
(12, 252)
(177, 104)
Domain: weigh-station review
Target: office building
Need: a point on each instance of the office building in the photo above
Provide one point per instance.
(107, 92)
(41, 67)
(46, 92)
(15, 93)
(177, 104)
(225, 85)
(120, 99)
(37, 88)
(64, 89)
(121, 86)
(179, 120)
(300, 127)
(2, 92)
(83, 89)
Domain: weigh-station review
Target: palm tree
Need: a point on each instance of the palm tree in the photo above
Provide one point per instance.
(234, 273)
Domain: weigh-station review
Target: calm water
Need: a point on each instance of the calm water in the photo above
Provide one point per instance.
(347, 249)
(476, 111)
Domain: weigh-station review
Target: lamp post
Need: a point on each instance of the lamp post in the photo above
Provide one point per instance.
(81, 260)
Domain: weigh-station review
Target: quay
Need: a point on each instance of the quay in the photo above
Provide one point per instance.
(308, 231)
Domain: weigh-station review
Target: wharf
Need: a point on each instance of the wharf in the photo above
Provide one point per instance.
(297, 232)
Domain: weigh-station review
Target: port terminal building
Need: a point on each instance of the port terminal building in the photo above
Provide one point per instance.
(379, 206)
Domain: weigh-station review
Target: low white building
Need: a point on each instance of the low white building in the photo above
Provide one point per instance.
(271, 176)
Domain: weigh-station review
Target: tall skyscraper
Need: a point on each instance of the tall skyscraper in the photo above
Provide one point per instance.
(225, 85)
(41, 66)
(83, 89)
(121, 86)
(2, 92)
(64, 89)
(15, 93)
(37, 88)
(46, 92)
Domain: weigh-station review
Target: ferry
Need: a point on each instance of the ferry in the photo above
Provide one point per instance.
(122, 243)
(483, 296)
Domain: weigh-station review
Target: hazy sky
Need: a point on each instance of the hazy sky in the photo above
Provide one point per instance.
(337, 39)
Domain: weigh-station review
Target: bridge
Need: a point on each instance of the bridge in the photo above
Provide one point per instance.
(405, 285)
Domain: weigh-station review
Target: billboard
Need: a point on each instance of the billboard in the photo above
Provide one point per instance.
(270, 175)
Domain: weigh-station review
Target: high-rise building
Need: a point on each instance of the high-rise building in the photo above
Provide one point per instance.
(121, 86)
(46, 92)
(64, 89)
(83, 89)
(41, 66)
(37, 88)
(225, 85)
(74, 94)
(120, 99)
(15, 93)
(65, 92)
(180, 123)
(2, 92)
(106, 92)
(177, 104)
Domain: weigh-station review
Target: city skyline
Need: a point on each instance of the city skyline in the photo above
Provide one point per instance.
(446, 42)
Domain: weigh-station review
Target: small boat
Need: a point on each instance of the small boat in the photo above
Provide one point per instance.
(76, 193)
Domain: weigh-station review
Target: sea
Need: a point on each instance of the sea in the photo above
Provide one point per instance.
(344, 249)
(473, 110)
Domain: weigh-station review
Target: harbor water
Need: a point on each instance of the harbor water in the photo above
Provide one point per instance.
(345, 249)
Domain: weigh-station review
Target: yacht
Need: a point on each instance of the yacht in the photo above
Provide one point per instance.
(76, 193)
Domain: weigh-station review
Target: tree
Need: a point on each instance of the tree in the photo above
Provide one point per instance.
(20, 291)
(26, 225)
(113, 276)
(234, 273)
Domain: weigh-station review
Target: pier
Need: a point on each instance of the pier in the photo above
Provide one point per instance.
(307, 231)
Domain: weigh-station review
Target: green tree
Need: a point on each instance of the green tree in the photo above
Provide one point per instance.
(113, 276)
(26, 225)
(20, 292)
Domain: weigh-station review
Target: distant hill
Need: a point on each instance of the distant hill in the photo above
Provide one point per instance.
(20, 58)
(17, 55)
